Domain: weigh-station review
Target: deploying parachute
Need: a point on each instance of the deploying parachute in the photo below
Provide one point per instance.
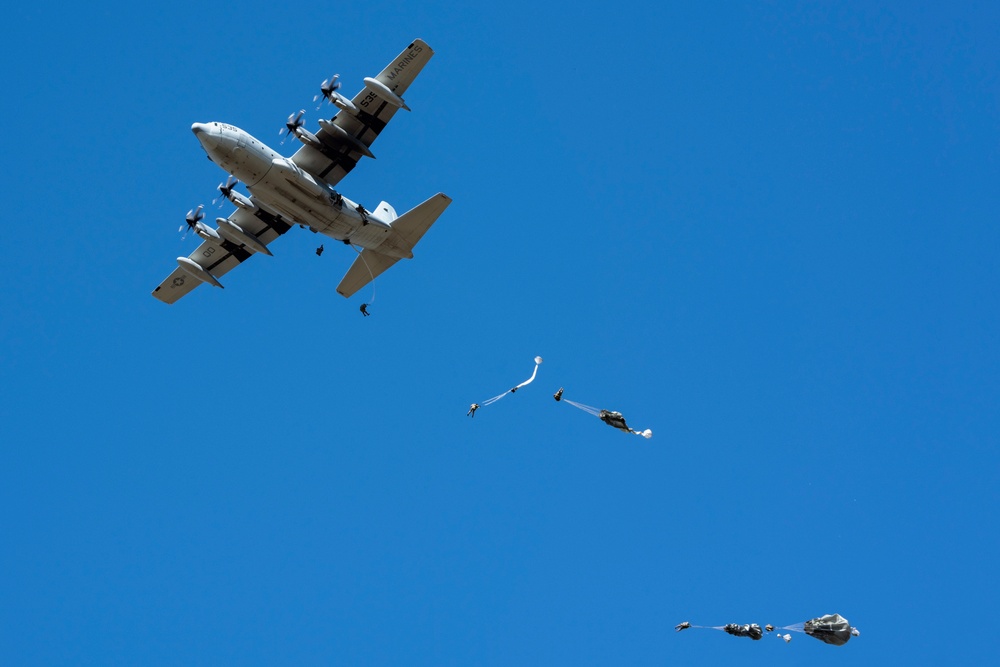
(751, 630)
(831, 629)
(607, 416)
(491, 401)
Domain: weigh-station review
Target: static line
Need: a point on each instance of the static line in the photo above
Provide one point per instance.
(371, 275)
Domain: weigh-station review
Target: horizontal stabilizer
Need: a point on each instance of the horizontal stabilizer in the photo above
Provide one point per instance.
(368, 266)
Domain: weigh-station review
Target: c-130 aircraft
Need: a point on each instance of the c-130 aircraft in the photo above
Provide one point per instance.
(299, 190)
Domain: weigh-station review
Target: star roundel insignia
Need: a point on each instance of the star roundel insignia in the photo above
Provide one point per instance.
(178, 281)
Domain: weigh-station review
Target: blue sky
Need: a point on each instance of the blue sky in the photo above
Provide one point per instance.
(767, 231)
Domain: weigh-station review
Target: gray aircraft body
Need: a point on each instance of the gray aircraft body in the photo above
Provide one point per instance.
(299, 190)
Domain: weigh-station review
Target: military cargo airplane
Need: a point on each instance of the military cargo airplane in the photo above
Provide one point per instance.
(300, 190)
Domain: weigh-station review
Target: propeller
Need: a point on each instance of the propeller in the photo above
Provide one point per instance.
(193, 217)
(327, 89)
(293, 123)
(226, 189)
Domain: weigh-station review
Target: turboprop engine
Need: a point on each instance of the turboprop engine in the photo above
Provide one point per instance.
(346, 136)
(383, 91)
(242, 201)
(233, 233)
(307, 137)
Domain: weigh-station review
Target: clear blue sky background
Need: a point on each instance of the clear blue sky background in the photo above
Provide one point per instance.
(767, 231)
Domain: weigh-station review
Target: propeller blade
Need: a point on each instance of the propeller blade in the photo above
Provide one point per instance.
(327, 89)
(226, 189)
(193, 217)
(294, 122)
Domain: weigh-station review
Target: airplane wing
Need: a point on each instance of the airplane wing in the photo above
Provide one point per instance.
(338, 156)
(219, 259)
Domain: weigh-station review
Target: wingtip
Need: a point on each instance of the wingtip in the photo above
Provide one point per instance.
(421, 43)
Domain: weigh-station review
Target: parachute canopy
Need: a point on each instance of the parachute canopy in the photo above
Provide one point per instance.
(614, 419)
(832, 629)
(751, 630)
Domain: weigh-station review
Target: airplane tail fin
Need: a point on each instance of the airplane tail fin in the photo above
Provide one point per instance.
(411, 227)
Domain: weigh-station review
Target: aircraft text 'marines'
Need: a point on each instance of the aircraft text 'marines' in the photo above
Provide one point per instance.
(401, 65)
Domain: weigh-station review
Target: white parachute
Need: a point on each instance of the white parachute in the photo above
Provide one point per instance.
(491, 401)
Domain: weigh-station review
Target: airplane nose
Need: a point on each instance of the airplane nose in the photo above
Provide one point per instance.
(208, 135)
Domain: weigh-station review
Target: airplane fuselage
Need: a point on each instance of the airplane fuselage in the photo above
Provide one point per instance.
(280, 187)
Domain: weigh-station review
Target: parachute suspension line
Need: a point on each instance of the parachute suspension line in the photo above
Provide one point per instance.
(370, 274)
(493, 400)
(586, 408)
